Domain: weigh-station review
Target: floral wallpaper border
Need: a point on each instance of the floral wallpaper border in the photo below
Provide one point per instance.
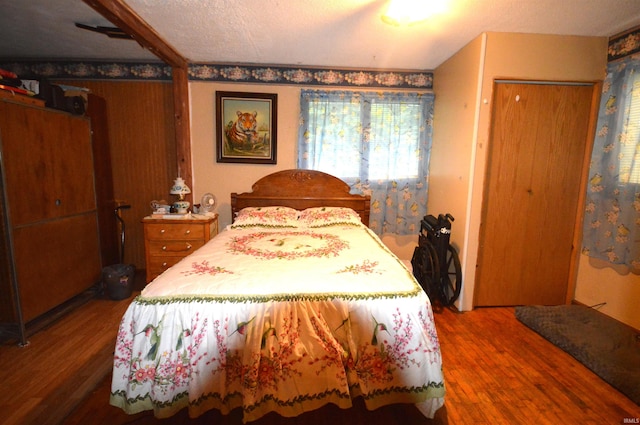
(621, 46)
(624, 45)
(260, 74)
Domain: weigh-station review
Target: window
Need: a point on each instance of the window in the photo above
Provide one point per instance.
(350, 149)
(399, 123)
(630, 139)
(611, 230)
(379, 143)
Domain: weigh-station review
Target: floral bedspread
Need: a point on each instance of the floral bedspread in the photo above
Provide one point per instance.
(283, 320)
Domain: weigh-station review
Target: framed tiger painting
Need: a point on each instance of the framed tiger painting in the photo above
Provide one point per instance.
(246, 127)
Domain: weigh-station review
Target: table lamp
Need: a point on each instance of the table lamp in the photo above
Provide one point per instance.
(180, 188)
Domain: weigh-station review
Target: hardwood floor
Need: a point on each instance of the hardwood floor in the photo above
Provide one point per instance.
(43, 381)
(497, 371)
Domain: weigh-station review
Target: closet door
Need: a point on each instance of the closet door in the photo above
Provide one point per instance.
(539, 133)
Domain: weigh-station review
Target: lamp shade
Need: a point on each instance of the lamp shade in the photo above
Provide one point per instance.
(179, 188)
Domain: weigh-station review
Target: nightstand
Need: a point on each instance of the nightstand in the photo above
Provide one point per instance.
(167, 241)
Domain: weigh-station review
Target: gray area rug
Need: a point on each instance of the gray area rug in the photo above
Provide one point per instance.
(607, 347)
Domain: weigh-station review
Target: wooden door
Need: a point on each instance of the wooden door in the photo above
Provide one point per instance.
(539, 133)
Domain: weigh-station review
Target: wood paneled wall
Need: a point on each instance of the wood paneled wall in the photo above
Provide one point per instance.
(140, 119)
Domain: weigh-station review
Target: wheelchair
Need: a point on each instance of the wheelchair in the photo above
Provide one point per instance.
(435, 262)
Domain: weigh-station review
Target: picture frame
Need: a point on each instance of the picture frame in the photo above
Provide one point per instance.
(246, 127)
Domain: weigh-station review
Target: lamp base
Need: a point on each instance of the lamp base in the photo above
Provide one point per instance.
(181, 206)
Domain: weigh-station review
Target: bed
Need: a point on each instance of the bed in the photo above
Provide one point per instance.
(295, 305)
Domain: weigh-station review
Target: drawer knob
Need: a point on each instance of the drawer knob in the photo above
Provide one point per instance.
(187, 232)
(187, 247)
(161, 231)
(164, 264)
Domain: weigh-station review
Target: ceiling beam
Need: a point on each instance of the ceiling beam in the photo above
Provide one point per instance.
(125, 18)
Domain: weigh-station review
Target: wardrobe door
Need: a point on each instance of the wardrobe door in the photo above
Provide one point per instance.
(539, 133)
(56, 261)
(49, 192)
(48, 163)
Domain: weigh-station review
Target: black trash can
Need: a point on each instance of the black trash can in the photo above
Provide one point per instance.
(118, 280)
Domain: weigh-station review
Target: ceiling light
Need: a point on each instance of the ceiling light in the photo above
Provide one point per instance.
(410, 12)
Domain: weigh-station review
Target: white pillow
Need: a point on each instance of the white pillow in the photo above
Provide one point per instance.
(266, 217)
(329, 216)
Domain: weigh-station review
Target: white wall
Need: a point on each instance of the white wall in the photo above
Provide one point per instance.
(451, 188)
(615, 291)
(223, 178)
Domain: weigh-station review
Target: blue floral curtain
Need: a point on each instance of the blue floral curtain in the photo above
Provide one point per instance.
(612, 219)
(379, 143)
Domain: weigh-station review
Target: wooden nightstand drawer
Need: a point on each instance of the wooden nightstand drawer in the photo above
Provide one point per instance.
(171, 247)
(174, 231)
(167, 241)
(157, 265)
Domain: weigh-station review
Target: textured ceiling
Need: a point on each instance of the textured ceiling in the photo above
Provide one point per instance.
(344, 33)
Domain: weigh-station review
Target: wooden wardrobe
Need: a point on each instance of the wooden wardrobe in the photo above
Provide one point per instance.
(50, 250)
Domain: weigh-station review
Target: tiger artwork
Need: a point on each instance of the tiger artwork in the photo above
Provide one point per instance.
(242, 133)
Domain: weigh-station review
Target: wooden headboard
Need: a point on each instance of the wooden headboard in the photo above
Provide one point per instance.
(301, 189)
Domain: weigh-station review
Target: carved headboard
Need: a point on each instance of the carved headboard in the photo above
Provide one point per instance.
(301, 189)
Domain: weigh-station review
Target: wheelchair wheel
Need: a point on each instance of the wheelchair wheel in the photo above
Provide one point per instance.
(451, 281)
(425, 268)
